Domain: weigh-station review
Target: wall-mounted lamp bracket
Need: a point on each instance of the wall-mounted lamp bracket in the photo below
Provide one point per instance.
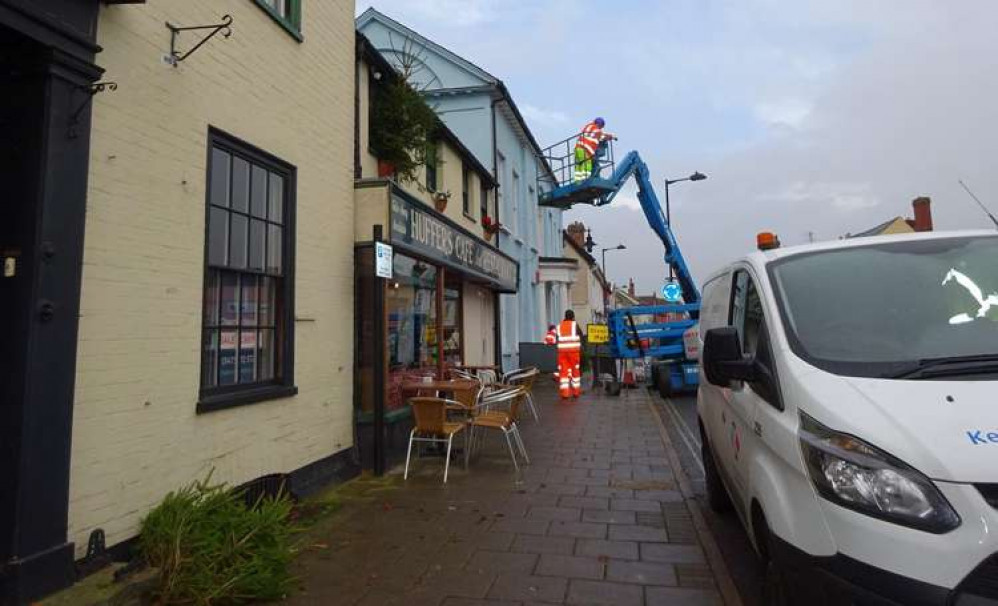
(90, 90)
(176, 56)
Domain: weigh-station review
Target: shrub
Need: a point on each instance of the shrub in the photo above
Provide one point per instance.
(403, 127)
(210, 548)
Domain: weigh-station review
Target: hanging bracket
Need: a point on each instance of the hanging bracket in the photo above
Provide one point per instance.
(89, 90)
(175, 56)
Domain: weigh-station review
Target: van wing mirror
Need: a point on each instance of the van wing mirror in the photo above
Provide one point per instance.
(723, 361)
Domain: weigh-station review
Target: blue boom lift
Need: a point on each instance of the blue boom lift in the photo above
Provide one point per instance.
(634, 331)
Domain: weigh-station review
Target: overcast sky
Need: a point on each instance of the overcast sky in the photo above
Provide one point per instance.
(809, 117)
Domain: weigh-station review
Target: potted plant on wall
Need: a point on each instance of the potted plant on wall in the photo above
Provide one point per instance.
(491, 226)
(440, 199)
(402, 129)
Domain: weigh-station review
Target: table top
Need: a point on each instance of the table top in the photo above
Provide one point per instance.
(438, 385)
(477, 367)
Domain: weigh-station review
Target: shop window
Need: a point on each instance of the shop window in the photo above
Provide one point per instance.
(453, 321)
(411, 305)
(287, 13)
(466, 190)
(247, 316)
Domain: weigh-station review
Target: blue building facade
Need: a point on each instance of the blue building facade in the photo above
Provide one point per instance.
(478, 108)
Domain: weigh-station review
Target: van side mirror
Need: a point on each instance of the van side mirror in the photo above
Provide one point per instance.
(723, 361)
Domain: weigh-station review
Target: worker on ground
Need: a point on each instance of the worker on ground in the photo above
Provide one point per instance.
(569, 357)
(585, 148)
(551, 338)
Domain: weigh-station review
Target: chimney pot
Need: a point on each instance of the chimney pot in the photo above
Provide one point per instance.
(923, 213)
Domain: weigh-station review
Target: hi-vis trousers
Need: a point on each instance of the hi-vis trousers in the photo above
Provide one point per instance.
(569, 374)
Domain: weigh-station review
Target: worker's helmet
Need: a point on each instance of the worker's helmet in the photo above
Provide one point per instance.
(600, 122)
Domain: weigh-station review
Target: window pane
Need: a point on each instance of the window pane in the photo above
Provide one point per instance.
(276, 212)
(268, 298)
(248, 301)
(219, 187)
(247, 356)
(230, 298)
(227, 358)
(212, 294)
(240, 184)
(274, 255)
(218, 236)
(209, 358)
(267, 355)
(257, 244)
(237, 241)
(258, 193)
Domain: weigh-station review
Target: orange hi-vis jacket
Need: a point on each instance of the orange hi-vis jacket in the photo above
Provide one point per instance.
(590, 138)
(568, 337)
(551, 338)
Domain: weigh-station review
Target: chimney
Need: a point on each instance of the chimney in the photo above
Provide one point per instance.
(630, 286)
(923, 213)
(577, 231)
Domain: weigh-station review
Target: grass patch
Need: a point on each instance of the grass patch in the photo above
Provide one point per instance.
(210, 548)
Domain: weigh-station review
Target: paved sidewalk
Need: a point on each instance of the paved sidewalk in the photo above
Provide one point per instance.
(598, 517)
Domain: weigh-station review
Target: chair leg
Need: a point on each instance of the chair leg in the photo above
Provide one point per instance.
(519, 442)
(408, 455)
(512, 453)
(533, 408)
(450, 440)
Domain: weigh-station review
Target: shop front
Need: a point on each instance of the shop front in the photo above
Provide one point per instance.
(437, 311)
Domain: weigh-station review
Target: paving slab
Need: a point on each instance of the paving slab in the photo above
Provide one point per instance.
(597, 518)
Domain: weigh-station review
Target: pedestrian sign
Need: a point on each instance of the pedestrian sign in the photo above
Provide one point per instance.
(597, 333)
(672, 292)
(382, 260)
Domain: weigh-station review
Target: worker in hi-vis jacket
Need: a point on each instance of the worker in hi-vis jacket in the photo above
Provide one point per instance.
(569, 357)
(585, 147)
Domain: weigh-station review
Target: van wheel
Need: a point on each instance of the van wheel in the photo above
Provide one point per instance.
(775, 590)
(717, 495)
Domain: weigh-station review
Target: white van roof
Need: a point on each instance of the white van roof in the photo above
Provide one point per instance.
(760, 258)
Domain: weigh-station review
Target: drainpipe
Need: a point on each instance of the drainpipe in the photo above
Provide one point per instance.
(496, 307)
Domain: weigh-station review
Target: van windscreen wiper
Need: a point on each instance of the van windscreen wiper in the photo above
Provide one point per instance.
(949, 366)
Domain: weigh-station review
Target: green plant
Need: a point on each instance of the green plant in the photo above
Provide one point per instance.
(210, 548)
(402, 127)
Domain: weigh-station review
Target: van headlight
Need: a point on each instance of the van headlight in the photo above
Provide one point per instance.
(861, 477)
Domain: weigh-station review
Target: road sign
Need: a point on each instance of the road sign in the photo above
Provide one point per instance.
(672, 292)
(382, 260)
(597, 333)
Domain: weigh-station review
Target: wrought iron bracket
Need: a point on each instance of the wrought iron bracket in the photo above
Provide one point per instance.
(90, 90)
(175, 56)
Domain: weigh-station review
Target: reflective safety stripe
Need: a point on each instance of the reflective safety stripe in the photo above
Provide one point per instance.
(590, 138)
(568, 336)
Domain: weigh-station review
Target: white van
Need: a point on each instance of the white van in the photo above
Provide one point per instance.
(849, 412)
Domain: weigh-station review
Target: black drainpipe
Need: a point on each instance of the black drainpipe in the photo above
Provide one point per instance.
(497, 337)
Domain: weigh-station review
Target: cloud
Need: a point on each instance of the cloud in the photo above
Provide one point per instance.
(536, 115)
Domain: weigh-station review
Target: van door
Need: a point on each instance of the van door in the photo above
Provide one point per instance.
(738, 440)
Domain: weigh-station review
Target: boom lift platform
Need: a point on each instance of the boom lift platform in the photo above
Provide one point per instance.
(638, 332)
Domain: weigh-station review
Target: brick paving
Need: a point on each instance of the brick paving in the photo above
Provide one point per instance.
(596, 518)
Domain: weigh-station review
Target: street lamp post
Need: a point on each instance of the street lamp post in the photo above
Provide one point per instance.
(603, 251)
(696, 176)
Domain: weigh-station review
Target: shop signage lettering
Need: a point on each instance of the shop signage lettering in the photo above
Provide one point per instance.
(422, 232)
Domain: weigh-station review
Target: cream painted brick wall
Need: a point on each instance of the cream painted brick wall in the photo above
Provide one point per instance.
(136, 435)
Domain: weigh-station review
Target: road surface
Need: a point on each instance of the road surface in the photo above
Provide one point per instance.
(680, 417)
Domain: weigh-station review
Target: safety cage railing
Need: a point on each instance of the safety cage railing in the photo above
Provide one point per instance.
(561, 158)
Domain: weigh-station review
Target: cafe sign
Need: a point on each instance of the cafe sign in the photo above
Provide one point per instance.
(427, 233)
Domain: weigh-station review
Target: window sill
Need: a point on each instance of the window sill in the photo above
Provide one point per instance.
(469, 217)
(242, 398)
(284, 23)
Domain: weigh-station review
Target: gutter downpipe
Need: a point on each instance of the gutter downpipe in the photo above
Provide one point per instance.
(496, 307)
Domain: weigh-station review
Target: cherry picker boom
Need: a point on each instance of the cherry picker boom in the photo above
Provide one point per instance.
(636, 332)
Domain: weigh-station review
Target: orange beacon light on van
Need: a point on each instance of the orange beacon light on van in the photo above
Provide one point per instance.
(767, 241)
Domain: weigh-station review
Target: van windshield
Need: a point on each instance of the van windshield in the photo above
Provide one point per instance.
(875, 310)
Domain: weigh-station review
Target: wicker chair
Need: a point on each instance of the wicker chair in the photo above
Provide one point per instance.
(526, 380)
(431, 425)
(500, 411)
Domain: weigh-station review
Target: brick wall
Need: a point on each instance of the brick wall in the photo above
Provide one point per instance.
(136, 435)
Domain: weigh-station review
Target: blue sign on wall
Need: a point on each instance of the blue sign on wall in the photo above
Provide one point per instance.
(672, 292)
